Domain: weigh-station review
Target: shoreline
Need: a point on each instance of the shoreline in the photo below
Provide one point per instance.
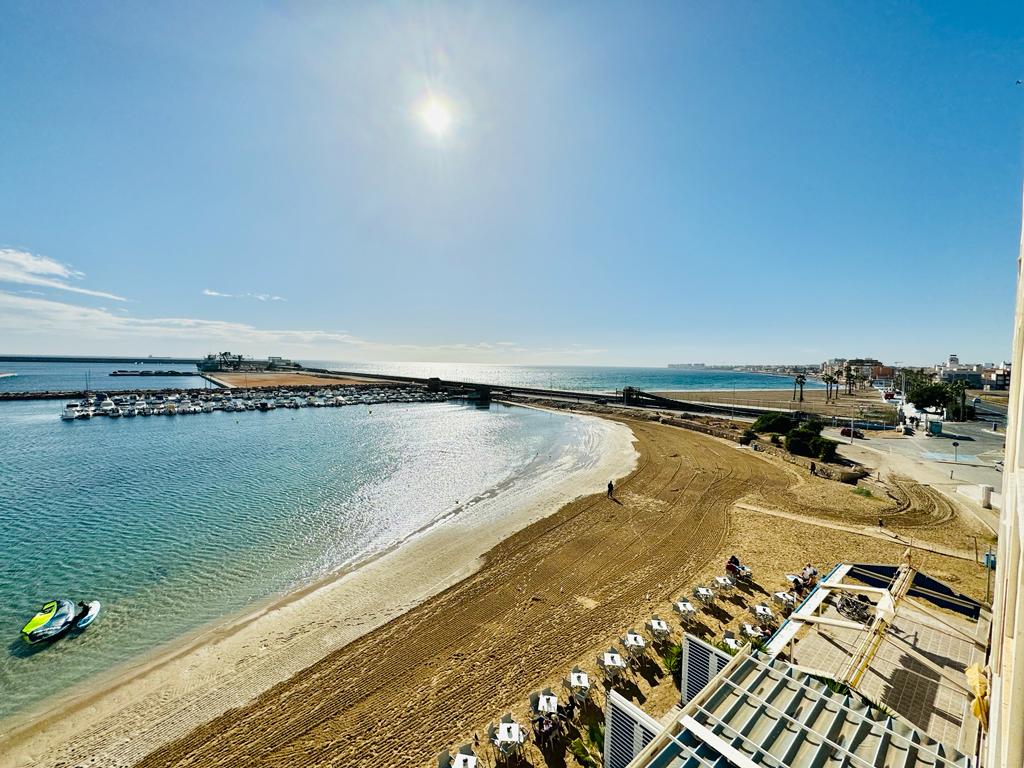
(273, 640)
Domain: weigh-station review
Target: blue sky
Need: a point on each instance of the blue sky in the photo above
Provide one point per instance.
(617, 183)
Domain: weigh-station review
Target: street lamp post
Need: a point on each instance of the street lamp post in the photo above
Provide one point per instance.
(955, 446)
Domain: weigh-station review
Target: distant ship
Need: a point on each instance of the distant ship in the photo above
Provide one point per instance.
(688, 366)
(226, 362)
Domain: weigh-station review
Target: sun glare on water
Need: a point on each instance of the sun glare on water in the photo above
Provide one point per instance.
(435, 115)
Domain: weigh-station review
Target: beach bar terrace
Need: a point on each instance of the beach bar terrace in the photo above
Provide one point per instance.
(872, 669)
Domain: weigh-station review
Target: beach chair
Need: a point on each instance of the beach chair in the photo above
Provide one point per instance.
(687, 612)
(492, 734)
(752, 632)
(535, 703)
(444, 760)
(633, 645)
(611, 673)
(731, 642)
(578, 693)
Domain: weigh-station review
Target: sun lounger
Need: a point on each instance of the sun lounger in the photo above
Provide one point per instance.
(752, 632)
(723, 583)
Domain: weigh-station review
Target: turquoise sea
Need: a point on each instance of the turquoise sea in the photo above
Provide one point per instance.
(578, 377)
(62, 377)
(73, 376)
(175, 522)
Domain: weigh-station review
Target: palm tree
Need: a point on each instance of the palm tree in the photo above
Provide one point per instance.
(958, 389)
(848, 378)
(829, 380)
(800, 380)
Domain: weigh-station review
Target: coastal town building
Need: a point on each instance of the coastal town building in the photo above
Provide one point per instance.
(996, 377)
(225, 362)
(952, 370)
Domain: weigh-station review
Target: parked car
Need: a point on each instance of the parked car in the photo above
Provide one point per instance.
(847, 432)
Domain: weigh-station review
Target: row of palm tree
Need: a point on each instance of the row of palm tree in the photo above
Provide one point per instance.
(830, 382)
(798, 381)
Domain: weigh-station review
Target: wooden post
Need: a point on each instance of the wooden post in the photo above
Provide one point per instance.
(975, 548)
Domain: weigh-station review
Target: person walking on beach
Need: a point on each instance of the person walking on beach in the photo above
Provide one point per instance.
(611, 490)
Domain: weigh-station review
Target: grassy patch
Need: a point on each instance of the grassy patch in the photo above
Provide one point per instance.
(863, 492)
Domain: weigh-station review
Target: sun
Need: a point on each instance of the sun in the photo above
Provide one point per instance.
(435, 115)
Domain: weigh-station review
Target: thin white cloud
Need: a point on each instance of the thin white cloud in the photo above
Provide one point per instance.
(36, 322)
(257, 296)
(24, 268)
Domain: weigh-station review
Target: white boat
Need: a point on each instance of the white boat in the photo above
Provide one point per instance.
(114, 412)
(70, 412)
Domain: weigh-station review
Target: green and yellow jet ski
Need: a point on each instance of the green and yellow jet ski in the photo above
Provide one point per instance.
(58, 617)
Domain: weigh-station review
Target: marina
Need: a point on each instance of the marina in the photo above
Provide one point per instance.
(189, 402)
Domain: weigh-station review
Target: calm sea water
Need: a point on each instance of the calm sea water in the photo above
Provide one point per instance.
(577, 377)
(175, 522)
(40, 377)
(35, 377)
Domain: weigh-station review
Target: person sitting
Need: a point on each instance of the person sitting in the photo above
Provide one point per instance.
(809, 575)
(732, 566)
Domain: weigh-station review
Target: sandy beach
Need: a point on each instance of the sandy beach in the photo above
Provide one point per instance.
(116, 720)
(458, 639)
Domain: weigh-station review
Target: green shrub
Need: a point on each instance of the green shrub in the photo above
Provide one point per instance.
(579, 750)
(862, 492)
(798, 442)
(812, 425)
(748, 437)
(595, 733)
(775, 440)
(824, 448)
(804, 442)
(672, 657)
(774, 422)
